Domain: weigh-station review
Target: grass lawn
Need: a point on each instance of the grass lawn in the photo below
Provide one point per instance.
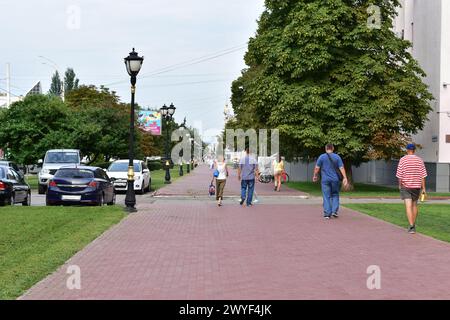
(35, 241)
(433, 220)
(158, 177)
(361, 190)
(32, 181)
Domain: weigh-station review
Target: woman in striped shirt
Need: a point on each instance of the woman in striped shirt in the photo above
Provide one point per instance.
(411, 174)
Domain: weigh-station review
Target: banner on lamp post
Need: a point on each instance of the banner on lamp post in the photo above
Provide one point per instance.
(150, 121)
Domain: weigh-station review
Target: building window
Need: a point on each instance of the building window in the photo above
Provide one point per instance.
(447, 138)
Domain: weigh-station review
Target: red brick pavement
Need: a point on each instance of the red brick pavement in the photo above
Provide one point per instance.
(197, 184)
(195, 250)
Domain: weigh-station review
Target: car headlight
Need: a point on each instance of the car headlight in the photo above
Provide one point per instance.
(45, 171)
(137, 177)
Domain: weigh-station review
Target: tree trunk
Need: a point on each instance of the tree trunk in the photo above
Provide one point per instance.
(349, 172)
(94, 159)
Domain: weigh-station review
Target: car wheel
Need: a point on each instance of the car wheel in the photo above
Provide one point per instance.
(27, 201)
(142, 191)
(149, 188)
(113, 201)
(41, 189)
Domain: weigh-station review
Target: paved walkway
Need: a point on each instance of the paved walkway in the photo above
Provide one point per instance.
(191, 249)
(197, 184)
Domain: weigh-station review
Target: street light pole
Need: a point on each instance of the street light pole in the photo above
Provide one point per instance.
(133, 63)
(167, 114)
(192, 153)
(188, 165)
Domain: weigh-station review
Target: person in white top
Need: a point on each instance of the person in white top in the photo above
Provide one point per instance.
(221, 180)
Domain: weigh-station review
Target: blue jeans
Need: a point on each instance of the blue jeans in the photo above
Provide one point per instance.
(330, 191)
(250, 185)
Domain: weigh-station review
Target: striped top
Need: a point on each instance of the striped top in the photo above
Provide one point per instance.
(411, 170)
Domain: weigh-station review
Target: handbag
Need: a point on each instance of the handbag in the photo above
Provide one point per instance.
(423, 197)
(336, 168)
(216, 173)
(212, 188)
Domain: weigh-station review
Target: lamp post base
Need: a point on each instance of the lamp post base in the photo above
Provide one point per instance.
(167, 178)
(130, 210)
(130, 199)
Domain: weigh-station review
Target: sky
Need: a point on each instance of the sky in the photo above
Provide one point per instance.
(193, 49)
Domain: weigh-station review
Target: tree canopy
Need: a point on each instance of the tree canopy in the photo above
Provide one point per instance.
(318, 73)
(71, 81)
(90, 119)
(31, 127)
(56, 85)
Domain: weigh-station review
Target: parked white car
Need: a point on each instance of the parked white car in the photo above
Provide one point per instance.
(118, 173)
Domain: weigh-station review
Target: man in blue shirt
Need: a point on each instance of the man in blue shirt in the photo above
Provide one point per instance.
(332, 170)
(247, 173)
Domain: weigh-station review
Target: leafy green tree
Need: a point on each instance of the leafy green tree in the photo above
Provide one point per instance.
(56, 85)
(99, 123)
(32, 126)
(320, 74)
(70, 81)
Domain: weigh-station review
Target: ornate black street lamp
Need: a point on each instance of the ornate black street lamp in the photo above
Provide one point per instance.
(181, 154)
(192, 153)
(133, 63)
(167, 114)
(188, 165)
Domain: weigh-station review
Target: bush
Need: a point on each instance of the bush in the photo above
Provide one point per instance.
(155, 165)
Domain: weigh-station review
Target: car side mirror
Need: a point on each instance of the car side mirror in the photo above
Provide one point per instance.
(146, 171)
(40, 161)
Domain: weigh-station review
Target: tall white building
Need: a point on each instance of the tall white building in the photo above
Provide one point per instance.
(426, 23)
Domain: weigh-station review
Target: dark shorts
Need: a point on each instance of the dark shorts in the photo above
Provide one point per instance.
(410, 194)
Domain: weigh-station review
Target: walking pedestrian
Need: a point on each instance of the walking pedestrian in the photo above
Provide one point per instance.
(411, 174)
(278, 169)
(221, 180)
(247, 174)
(331, 168)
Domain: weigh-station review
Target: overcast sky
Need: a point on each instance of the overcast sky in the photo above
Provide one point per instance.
(93, 37)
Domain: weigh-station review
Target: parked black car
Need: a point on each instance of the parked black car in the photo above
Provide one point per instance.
(13, 188)
(80, 185)
(21, 170)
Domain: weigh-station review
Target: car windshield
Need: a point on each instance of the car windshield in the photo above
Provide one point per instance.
(74, 174)
(62, 157)
(122, 167)
(2, 172)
